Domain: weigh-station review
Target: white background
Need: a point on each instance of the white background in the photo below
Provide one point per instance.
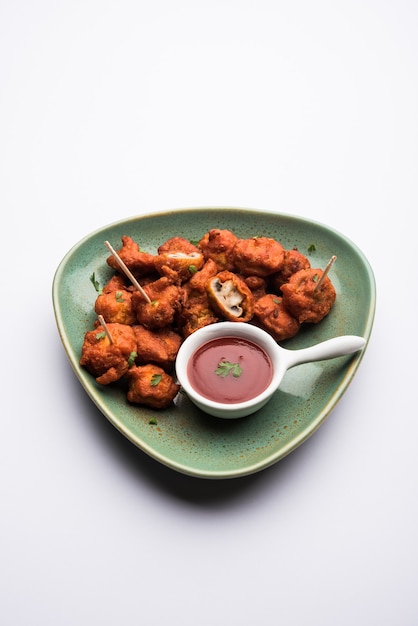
(112, 109)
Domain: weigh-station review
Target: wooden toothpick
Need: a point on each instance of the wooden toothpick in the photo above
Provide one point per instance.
(105, 327)
(127, 271)
(326, 270)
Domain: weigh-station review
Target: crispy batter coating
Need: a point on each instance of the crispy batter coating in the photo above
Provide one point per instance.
(273, 316)
(218, 245)
(106, 361)
(115, 302)
(196, 313)
(138, 262)
(257, 286)
(258, 256)
(156, 346)
(177, 244)
(304, 300)
(293, 262)
(166, 301)
(199, 281)
(230, 297)
(151, 386)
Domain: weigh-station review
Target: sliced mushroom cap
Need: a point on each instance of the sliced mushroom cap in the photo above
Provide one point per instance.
(230, 297)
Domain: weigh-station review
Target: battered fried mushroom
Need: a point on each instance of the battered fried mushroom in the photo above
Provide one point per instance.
(273, 316)
(107, 361)
(257, 286)
(258, 256)
(199, 281)
(138, 262)
(151, 386)
(304, 300)
(115, 302)
(293, 262)
(218, 245)
(166, 301)
(230, 297)
(156, 346)
(196, 313)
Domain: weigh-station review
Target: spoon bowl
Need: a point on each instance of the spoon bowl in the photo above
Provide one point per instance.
(281, 360)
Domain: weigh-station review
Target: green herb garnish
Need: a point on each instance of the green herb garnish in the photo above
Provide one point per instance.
(119, 296)
(156, 378)
(226, 367)
(95, 282)
(312, 248)
(315, 278)
(132, 358)
(153, 421)
(192, 269)
(101, 335)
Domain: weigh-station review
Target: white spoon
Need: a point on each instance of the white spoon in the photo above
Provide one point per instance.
(281, 358)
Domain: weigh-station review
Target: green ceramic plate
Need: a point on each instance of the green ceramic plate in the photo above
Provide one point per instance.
(184, 438)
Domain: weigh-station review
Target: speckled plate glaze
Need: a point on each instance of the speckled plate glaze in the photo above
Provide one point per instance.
(184, 438)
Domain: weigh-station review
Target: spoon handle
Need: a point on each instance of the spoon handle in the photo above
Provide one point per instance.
(338, 346)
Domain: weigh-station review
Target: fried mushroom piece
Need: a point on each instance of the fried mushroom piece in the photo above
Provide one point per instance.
(258, 256)
(166, 300)
(196, 313)
(230, 297)
(115, 302)
(304, 299)
(293, 262)
(257, 286)
(138, 262)
(272, 315)
(150, 385)
(156, 346)
(218, 245)
(107, 361)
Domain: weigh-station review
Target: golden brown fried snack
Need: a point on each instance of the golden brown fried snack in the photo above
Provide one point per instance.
(166, 301)
(293, 262)
(138, 262)
(151, 386)
(258, 256)
(107, 361)
(304, 299)
(230, 297)
(257, 285)
(115, 302)
(273, 316)
(197, 284)
(196, 313)
(218, 245)
(156, 346)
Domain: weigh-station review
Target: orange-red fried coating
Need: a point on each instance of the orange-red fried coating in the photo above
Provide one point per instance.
(115, 302)
(218, 245)
(258, 256)
(138, 262)
(166, 301)
(156, 346)
(151, 386)
(273, 316)
(106, 361)
(293, 262)
(304, 300)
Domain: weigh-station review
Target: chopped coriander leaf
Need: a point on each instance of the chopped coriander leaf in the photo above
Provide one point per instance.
(153, 421)
(132, 358)
(101, 335)
(225, 367)
(315, 278)
(192, 269)
(95, 282)
(119, 297)
(156, 378)
(312, 248)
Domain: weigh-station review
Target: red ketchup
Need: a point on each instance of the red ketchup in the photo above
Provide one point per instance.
(229, 370)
